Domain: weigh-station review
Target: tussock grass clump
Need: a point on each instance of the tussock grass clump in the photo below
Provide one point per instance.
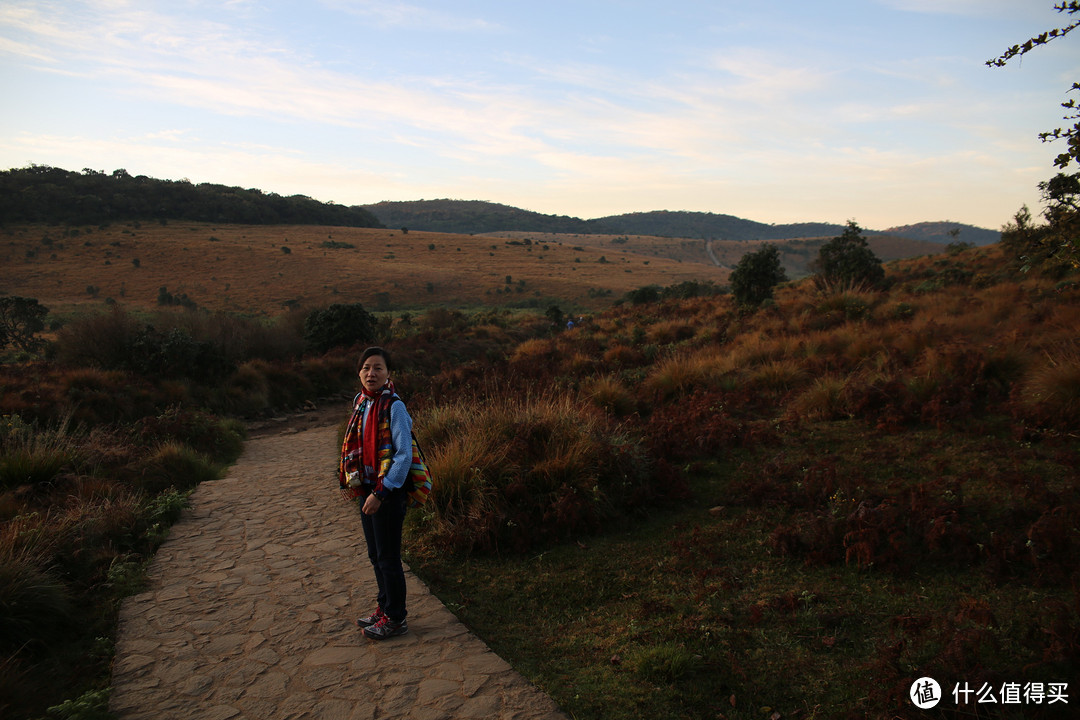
(669, 332)
(1051, 392)
(778, 375)
(218, 439)
(612, 395)
(824, 400)
(514, 472)
(681, 374)
(35, 604)
(33, 456)
(175, 465)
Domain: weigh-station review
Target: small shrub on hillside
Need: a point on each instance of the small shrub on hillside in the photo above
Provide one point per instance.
(756, 275)
(21, 319)
(847, 262)
(175, 353)
(644, 295)
(338, 326)
(101, 340)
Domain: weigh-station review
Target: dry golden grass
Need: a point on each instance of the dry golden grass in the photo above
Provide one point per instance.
(265, 270)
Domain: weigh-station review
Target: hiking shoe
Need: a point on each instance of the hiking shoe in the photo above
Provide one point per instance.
(373, 618)
(386, 628)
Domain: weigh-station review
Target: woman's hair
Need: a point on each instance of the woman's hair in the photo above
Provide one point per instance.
(374, 351)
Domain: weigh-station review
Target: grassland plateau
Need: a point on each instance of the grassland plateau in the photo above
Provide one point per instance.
(679, 508)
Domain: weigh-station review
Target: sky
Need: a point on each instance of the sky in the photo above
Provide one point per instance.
(779, 111)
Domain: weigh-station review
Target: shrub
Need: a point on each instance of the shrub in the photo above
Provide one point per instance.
(847, 262)
(338, 326)
(21, 319)
(101, 340)
(753, 279)
(644, 295)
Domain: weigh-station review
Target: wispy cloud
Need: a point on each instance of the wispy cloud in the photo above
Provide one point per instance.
(399, 14)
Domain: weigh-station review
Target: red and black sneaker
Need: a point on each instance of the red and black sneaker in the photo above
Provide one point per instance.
(372, 619)
(386, 628)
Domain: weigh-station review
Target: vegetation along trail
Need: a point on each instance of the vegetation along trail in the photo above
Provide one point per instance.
(251, 605)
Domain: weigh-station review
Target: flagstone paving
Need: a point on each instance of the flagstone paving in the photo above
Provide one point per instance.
(251, 607)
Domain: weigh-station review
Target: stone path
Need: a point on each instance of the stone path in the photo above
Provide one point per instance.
(252, 605)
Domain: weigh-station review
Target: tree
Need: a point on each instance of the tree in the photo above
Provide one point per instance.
(338, 326)
(756, 275)
(1061, 192)
(21, 319)
(847, 262)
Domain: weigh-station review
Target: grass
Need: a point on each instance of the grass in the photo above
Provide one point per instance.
(244, 270)
(81, 513)
(694, 613)
(676, 509)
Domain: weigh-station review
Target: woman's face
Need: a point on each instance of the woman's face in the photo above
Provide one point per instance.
(373, 373)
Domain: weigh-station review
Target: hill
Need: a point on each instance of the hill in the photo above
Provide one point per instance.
(473, 216)
(939, 232)
(51, 195)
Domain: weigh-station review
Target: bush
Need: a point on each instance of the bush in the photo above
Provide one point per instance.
(21, 319)
(338, 326)
(847, 262)
(753, 279)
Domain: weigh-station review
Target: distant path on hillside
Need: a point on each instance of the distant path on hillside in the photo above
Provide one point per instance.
(712, 255)
(251, 607)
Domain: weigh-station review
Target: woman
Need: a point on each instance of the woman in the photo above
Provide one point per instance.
(375, 459)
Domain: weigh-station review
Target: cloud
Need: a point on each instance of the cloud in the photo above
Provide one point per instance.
(387, 14)
(975, 8)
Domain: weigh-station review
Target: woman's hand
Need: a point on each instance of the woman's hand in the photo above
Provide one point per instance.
(371, 504)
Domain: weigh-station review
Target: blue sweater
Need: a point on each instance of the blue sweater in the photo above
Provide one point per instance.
(401, 435)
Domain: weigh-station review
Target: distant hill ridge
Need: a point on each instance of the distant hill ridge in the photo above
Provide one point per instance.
(40, 193)
(475, 217)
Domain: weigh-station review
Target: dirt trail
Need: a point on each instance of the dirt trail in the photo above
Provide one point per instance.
(251, 607)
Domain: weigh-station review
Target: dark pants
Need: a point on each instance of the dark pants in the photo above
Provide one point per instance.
(382, 531)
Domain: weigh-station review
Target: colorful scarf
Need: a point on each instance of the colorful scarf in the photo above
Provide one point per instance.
(376, 446)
